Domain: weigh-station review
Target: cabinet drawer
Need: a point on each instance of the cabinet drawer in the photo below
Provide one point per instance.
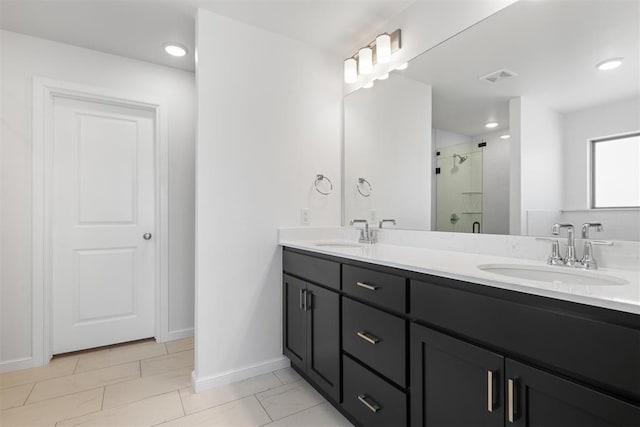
(603, 354)
(384, 289)
(313, 269)
(376, 338)
(371, 400)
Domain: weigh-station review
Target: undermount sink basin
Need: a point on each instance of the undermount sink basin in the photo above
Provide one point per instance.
(553, 274)
(338, 245)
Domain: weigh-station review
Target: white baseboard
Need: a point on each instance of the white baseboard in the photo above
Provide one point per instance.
(179, 334)
(212, 381)
(16, 364)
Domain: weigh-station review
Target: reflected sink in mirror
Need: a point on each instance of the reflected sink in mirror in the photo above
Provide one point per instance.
(341, 245)
(563, 275)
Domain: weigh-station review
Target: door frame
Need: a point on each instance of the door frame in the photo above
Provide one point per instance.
(44, 92)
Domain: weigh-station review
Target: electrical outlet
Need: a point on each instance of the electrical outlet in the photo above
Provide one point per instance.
(304, 216)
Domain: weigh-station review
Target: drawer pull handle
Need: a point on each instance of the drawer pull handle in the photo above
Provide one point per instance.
(511, 396)
(366, 286)
(373, 406)
(368, 338)
(490, 391)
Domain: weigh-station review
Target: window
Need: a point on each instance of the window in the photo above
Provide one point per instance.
(615, 177)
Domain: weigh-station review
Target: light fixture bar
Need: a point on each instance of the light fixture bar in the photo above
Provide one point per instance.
(365, 67)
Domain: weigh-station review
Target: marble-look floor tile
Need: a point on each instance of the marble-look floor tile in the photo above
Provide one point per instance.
(147, 412)
(48, 412)
(245, 412)
(84, 381)
(57, 368)
(322, 415)
(141, 388)
(120, 355)
(14, 396)
(289, 399)
(194, 402)
(287, 375)
(159, 365)
(179, 345)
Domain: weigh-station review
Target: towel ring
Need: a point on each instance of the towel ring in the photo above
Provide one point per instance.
(369, 188)
(319, 178)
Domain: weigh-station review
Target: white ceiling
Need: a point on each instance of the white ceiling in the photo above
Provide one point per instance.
(139, 28)
(552, 45)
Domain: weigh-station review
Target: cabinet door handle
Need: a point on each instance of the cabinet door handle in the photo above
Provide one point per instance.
(373, 406)
(301, 303)
(368, 337)
(366, 286)
(308, 300)
(512, 391)
(490, 391)
(304, 299)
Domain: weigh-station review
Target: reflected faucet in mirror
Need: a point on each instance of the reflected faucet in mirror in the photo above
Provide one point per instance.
(366, 235)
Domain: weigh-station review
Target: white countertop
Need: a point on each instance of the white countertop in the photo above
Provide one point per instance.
(464, 266)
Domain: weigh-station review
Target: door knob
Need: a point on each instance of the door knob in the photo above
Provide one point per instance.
(146, 236)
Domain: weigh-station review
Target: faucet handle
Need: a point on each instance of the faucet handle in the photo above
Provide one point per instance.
(392, 221)
(588, 225)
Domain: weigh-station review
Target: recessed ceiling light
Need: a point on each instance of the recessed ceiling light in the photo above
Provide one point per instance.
(609, 64)
(507, 136)
(402, 66)
(491, 125)
(384, 76)
(175, 49)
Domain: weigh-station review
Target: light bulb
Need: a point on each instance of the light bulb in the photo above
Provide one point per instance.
(350, 70)
(365, 61)
(383, 48)
(175, 49)
(491, 125)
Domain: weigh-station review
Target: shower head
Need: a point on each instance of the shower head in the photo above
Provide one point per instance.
(462, 158)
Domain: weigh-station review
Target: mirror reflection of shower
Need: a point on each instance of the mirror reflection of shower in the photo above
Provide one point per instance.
(471, 182)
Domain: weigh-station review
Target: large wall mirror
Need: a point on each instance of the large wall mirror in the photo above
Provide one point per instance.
(506, 128)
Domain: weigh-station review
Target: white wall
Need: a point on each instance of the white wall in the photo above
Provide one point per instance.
(387, 140)
(580, 127)
(425, 24)
(536, 160)
(269, 120)
(22, 58)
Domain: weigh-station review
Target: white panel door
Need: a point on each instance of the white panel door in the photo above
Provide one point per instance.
(103, 203)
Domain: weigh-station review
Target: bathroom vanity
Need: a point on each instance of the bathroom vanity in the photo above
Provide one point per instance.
(398, 346)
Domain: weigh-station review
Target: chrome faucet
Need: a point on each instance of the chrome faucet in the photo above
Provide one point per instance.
(588, 262)
(366, 235)
(570, 255)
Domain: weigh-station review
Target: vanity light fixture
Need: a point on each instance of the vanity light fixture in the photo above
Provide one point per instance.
(175, 49)
(383, 48)
(384, 76)
(402, 66)
(365, 61)
(379, 51)
(491, 125)
(350, 70)
(368, 85)
(609, 64)
(507, 136)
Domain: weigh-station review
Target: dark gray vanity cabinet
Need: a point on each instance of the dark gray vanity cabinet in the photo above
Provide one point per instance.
(429, 351)
(537, 398)
(311, 327)
(454, 383)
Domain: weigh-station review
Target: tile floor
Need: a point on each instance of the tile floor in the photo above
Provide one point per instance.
(148, 383)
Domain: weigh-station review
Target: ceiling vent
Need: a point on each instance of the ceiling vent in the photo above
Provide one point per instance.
(498, 75)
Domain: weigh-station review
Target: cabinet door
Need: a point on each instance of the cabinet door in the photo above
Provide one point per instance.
(295, 321)
(537, 398)
(323, 339)
(454, 383)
